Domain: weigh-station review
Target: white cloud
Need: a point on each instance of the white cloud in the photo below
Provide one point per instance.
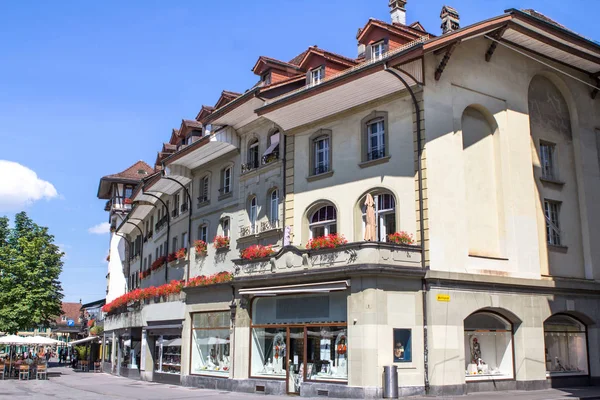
(100, 229)
(20, 186)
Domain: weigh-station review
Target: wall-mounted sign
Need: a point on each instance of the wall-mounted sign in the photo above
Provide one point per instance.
(70, 322)
(402, 345)
(443, 297)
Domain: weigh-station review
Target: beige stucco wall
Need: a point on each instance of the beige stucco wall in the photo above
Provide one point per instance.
(349, 181)
(501, 87)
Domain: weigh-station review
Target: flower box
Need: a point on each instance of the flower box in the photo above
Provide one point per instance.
(221, 242)
(180, 254)
(326, 242)
(172, 257)
(401, 238)
(128, 201)
(201, 248)
(257, 252)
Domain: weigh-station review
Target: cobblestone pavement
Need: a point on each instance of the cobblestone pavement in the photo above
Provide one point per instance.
(65, 384)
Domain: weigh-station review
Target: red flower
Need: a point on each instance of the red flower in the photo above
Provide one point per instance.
(172, 257)
(202, 280)
(201, 247)
(158, 263)
(401, 238)
(128, 200)
(257, 251)
(326, 242)
(180, 254)
(220, 242)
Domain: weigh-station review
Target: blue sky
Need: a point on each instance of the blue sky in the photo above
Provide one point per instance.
(89, 88)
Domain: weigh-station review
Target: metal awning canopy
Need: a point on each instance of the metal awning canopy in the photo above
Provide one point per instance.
(323, 103)
(220, 143)
(85, 340)
(320, 287)
(240, 115)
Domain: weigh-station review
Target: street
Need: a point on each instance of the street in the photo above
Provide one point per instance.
(66, 384)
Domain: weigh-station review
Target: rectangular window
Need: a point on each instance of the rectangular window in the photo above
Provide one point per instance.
(547, 158)
(225, 226)
(128, 192)
(203, 197)
(377, 50)
(184, 241)
(210, 344)
(176, 205)
(156, 252)
(317, 75)
(227, 180)
(149, 260)
(160, 253)
(551, 212)
(175, 244)
(376, 139)
(321, 155)
(165, 248)
(203, 233)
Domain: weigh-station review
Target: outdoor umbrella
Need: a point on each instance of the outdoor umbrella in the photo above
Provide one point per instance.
(43, 340)
(370, 222)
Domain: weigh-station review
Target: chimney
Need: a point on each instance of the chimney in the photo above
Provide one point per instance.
(398, 11)
(450, 19)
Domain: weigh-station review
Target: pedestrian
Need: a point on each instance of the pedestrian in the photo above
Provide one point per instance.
(48, 354)
(60, 355)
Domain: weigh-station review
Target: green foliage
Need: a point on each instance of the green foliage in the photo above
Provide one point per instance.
(82, 352)
(30, 265)
(96, 330)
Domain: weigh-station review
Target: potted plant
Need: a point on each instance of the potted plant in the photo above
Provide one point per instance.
(201, 248)
(172, 257)
(401, 238)
(326, 242)
(128, 200)
(256, 252)
(221, 242)
(180, 254)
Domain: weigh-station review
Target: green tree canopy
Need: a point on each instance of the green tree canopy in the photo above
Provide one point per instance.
(30, 265)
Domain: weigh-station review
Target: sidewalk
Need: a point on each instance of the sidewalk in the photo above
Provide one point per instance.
(587, 393)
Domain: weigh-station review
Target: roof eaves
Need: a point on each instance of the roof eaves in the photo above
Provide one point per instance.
(232, 105)
(187, 149)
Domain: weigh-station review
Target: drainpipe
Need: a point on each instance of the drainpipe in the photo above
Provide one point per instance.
(421, 222)
(284, 182)
(187, 192)
(168, 227)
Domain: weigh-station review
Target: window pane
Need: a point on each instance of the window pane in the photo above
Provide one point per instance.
(211, 352)
(269, 352)
(300, 309)
(327, 354)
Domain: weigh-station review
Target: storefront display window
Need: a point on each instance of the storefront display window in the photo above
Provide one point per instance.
(167, 354)
(566, 346)
(319, 331)
(211, 344)
(488, 347)
(130, 353)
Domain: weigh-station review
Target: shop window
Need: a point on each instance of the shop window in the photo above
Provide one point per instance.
(566, 346)
(488, 347)
(167, 355)
(320, 318)
(323, 222)
(384, 205)
(210, 344)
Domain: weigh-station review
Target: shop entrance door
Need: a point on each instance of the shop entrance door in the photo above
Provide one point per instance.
(295, 359)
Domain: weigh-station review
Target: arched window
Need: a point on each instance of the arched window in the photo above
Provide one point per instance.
(274, 207)
(488, 347)
(252, 154)
(566, 346)
(323, 222)
(385, 215)
(252, 213)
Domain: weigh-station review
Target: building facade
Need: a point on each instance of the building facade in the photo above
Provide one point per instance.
(428, 204)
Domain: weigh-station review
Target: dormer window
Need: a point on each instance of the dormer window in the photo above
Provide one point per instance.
(377, 50)
(317, 75)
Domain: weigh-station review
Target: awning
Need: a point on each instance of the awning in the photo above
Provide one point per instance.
(86, 340)
(209, 149)
(321, 287)
(274, 144)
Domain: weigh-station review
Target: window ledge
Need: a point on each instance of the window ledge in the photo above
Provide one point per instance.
(204, 204)
(551, 181)
(558, 248)
(323, 175)
(225, 196)
(261, 169)
(370, 163)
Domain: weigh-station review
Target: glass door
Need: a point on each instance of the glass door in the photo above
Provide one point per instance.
(295, 360)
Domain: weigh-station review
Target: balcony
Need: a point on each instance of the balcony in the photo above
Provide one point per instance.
(357, 255)
(160, 224)
(271, 157)
(251, 166)
(248, 230)
(175, 212)
(266, 226)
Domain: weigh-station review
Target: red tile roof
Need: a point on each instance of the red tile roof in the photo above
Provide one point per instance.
(296, 60)
(136, 172)
(204, 111)
(350, 62)
(70, 311)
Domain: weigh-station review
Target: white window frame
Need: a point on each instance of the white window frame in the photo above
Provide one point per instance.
(324, 152)
(225, 226)
(317, 75)
(253, 155)
(552, 216)
(379, 134)
(377, 50)
(203, 233)
(227, 180)
(326, 223)
(184, 241)
(548, 160)
(253, 213)
(274, 206)
(380, 214)
(204, 189)
(175, 244)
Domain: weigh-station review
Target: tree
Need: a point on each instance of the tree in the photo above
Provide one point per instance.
(30, 266)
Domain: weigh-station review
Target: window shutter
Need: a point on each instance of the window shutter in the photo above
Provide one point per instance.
(308, 77)
(386, 45)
